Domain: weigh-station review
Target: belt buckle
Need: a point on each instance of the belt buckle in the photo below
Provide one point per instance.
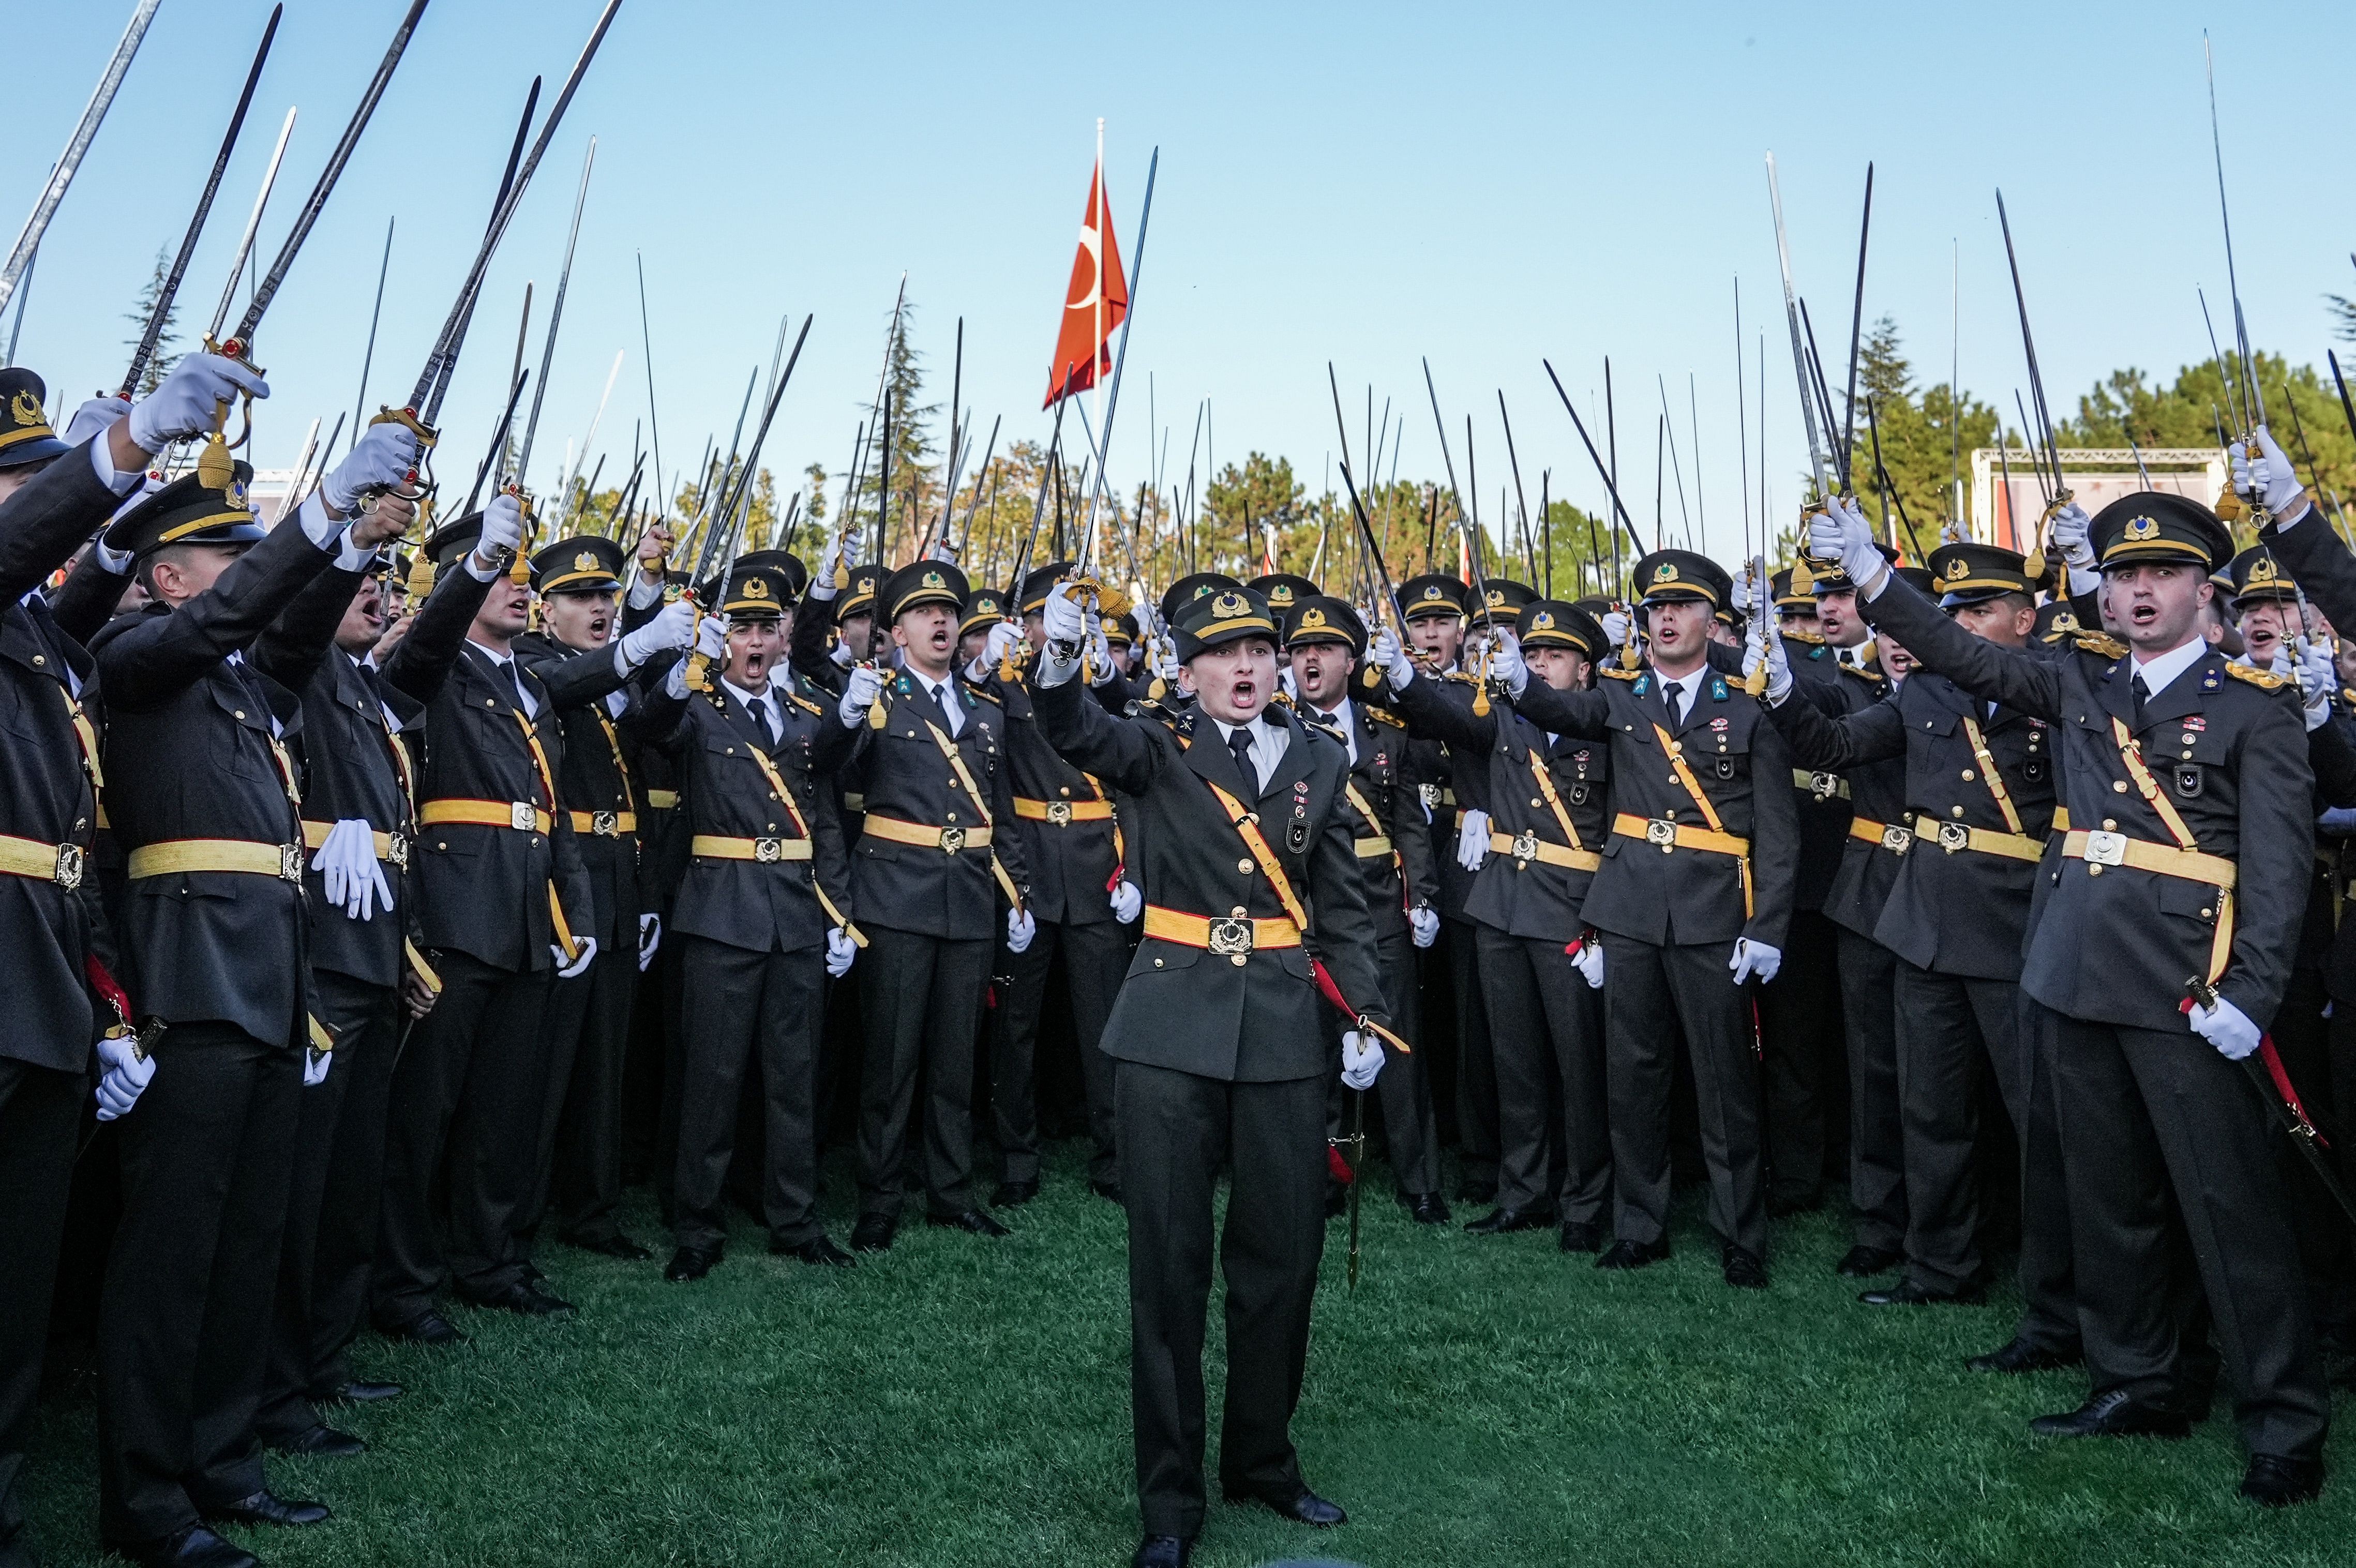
(1526, 845)
(1059, 812)
(1823, 785)
(397, 850)
(1656, 831)
(290, 863)
(2107, 849)
(522, 816)
(1230, 938)
(952, 839)
(768, 851)
(1953, 835)
(1897, 837)
(605, 825)
(69, 872)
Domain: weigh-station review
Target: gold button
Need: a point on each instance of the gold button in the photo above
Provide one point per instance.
(1520, 864)
(2206, 914)
(2185, 739)
(2188, 755)
(1967, 775)
(1535, 802)
(1954, 811)
(773, 827)
(241, 713)
(952, 816)
(39, 659)
(1157, 963)
(2109, 826)
(1238, 960)
(2093, 871)
(440, 846)
(487, 702)
(1237, 911)
(1064, 790)
(2119, 786)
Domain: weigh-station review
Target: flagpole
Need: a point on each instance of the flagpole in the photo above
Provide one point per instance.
(1095, 362)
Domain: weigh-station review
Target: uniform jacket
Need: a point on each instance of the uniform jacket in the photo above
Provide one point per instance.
(2313, 556)
(1249, 1017)
(1868, 867)
(596, 778)
(1824, 798)
(1072, 861)
(2115, 943)
(1403, 878)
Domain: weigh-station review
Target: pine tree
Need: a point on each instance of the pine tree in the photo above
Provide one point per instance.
(160, 363)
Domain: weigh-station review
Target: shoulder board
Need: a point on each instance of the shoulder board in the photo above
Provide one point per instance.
(801, 701)
(986, 695)
(2347, 694)
(2100, 644)
(1613, 672)
(1283, 699)
(2265, 680)
(1802, 634)
(1871, 678)
(1383, 716)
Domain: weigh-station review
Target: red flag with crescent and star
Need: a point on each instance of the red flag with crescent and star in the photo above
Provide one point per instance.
(1094, 304)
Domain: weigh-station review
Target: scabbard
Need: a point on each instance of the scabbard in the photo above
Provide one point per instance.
(2274, 1085)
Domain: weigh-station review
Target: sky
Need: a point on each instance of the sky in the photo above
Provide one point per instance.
(1370, 185)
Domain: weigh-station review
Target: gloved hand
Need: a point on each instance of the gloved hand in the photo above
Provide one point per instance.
(96, 415)
(1743, 596)
(124, 1077)
(842, 655)
(1127, 901)
(381, 459)
(1589, 961)
(674, 627)
(2071, 535)
(1362, 1060)
(859, 690)
(1505, 663)
(1386, 654)
(315, 1066)
(1472, 840)
(1101, 665)
(1839, 533)
(1066, 625)
(567, 971)
(502, 529)
(650, 938)
(1165, 661)
(350, 876)
(1004, 638)
(1615, 628)
(184, 405)
(840, 951)
(712, 639)
(1756, 960)
(2227, 1027)
(1019, 929)
(1423, 924)
(841, 551)
(2271, 481)
(2319, 675)
(1774, 660)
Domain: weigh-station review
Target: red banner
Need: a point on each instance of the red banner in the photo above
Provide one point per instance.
(1094, 304)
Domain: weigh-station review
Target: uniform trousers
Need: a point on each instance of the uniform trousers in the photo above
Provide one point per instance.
(467, 1098)
(1174, 1131)
(758, 1012)
(1644, 987)
(921, 998)
(331, 1205)
(2148, 1116)
(1548, 1028)
(1877, 1143)
(1096, 957)
(184, 1318)
(580, 1166)
(1404, 1089)
(1477, 1062)
(40, 1119)
(1799, 1022)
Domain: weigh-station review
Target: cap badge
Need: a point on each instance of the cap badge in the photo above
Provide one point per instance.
(24, 408)
(934, 579)
(1431, 591)
(1542, 622)
(585, 562)
(2065, 621)
(1280, 594)
(1230, 605)
(235, 493)
(1312, 619)
(1664, 572)
(1957, 570)
(755, 588)
(1496, 596)
(2262, 569)
(2142, 529)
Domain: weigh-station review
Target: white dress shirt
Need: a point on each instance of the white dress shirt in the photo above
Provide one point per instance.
(1347, 723)
(1268, 744)
(505, 663)
(2159, 671)
(768, 697)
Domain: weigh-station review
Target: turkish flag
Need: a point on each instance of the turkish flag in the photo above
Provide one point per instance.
(1094, 304)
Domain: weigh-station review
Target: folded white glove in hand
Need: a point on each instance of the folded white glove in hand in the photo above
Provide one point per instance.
(125, 1075)
(1472, 840)
(1362, 1060)
(1589, 961)
(1423, 925)
(1019, 929)
(315, 1066)
(349, 873)
(840, 951)
(1127, 901)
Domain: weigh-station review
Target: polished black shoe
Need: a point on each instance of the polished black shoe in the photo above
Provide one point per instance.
(1014, 1194)
(1498, 1221)
(267, 1506)
(2020, 1356)
(1298, 1504)
(191, 1547)
(1742, 1268)
(2273, 1481)
(358, 1393)
(973, 1223)
(428, 1327)
(321, 1440)
(817, 1250)
(874, 1234)
(1581, 1236)
(525, 1299)
(613, 1246)
(1111, 1192)
(1161, 1552)
(1633, 1254)
(1862, 1262)
(2112, 1415)
(1470, 1191)
(1784, 1208)
(1428, 1209)
(1906, 1293)
(690, 1263)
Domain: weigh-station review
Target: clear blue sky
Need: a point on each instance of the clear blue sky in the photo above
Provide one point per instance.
(1368, 183)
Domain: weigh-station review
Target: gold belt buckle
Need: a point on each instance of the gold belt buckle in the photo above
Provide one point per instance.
(1824, 785)
(605, 825)
(1526, 845)
(1897, 837)
(69, 872)
(521, 816)
(397, 850)
(1953, 835)
(952, 839)
(1664, 834)
(768, 851)
(1231, 938)
(2107, 849)
(1059, 812)
(290, 863)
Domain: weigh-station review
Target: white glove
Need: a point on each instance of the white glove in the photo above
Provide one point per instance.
(1839, 533)
(1615, 628)
(565, 971)
(1386, 654)
(649, 939)
(2070, 534)
(821, 582)
(1756, 960)
(1423, 923)
(1505, 663)
(2318, 674)
(674, 627)
(859, 693)
(712, 638)
(315, 1066)
(1774, 660)
(1742, 591)
(382, 459)
(1165, 661)
(1362, 1060)
(840, 951)
(1066, 625)
(1589, 961)
(1472, 840)
(1127, 901)
(502, 528)
(126, 1074)
(2227, 1027)
(93, 417)
(349, 871)
(1102, 668)
(185, 404)
(2271, 480)
(1004, 638)
(1019, 929)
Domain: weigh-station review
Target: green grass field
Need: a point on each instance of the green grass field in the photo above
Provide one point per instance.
(1477, 1401)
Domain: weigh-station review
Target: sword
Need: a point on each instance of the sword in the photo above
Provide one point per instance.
(556, 313)
(2266, 1072)
(1799, 357)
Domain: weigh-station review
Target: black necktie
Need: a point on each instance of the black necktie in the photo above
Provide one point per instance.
(760, 712)
(1670, 694)
(2142, 695)
(1239, 743)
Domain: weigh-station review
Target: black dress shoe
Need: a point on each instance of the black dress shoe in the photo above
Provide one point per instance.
(1111, 1192)
(973, 1223)
(1299, 1505)
(323, 1441)
(874, 1234)
(1581, 1236)
(1014, 1194)
(428, 1327)
(1161, 1552)
(1428, 1209)
(1633, 1254)
(1906, 1293)
(613, 1246)
(2114, 1414)
(2020, 1356)
(690, 1263)
(1498, 1221)
(266, 1507)
(1742, 1268)
(2273, 1481)
(193, 1546)
(358, 1393)
(525, 1299)
(817, 1250)
(1862, 1262)
(1470, 1191)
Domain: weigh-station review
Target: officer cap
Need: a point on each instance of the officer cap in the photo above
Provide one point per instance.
(1038, 581)
(2154, 526)
(2256, 577)
(1668, 575)
(1551, 624)
(1316, 618)
(1968, 572)
(1284, 590)
(984, 607)
(1121, 631)
(1193, 585)
(187, 511)
(1433, 593)
(797, 575)
(24, 432)
(1503, 600)
(588, 564)
(755, 593)
(921, 582)
(1221, 616)
(858, 598)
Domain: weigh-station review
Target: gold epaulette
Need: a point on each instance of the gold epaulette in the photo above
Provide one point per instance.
(2265, 680)
(1616, 673)
(986, 695)
(1459, 677)
(1283, 699)
(2347, 694)
(1383, 716)
(1871, 677)
(1802, 634)
(2100, 644)
(800, 701)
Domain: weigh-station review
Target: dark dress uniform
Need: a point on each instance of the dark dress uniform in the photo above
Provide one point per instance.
(1220, 1055)
(1679, 886)
(2146, 1107)
(203, 798)
(499, 883)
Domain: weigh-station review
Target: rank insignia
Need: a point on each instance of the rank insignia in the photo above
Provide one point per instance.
(2195, 722)
(1720, 725)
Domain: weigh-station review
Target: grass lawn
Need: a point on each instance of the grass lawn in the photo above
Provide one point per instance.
(1477, 1401)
